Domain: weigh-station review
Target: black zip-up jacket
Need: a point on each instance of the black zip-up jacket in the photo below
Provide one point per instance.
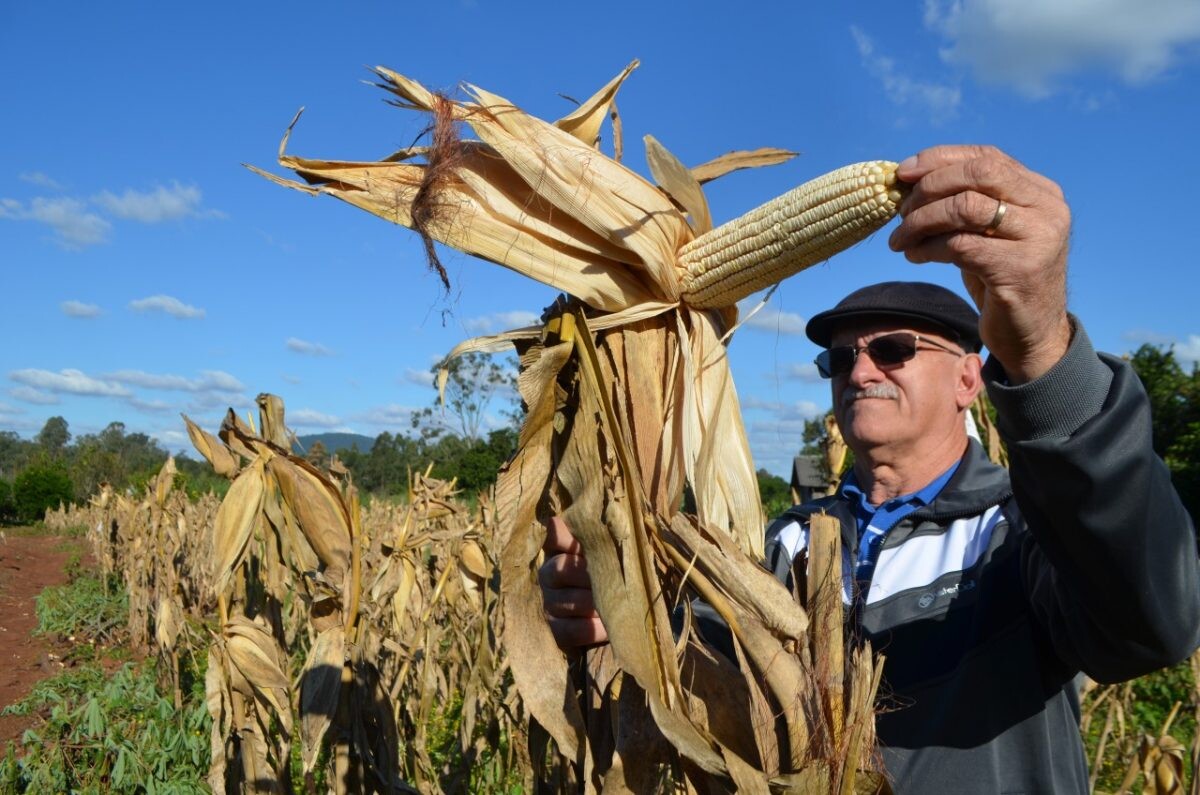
(989, 601)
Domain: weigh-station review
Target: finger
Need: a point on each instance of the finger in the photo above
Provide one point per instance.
(573, 633)
(569, 603)
(962, 212)
(564, 571)
(914, 168)
(999, 179)
(965, 249)
(559, 538)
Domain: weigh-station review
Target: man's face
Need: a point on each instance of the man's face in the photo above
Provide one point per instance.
(901, 406)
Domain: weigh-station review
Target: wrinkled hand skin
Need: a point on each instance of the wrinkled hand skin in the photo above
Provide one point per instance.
(567, 590)
(1018, 277)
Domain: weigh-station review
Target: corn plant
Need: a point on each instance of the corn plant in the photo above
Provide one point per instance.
(631, 401)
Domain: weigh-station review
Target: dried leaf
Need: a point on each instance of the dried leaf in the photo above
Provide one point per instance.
(164, 481)
(734, 161)
(222, 459)
(679, 183)
(472, 559)
(166, 624)
(319, 511)
(270, 417)
(235, 522)
(320, 689)
(584, 123)
(253, 651)
(538, 666)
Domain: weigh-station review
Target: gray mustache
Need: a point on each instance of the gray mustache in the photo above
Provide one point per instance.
(884, 391)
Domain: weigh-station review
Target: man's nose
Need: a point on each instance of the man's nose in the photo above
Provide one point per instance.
(864, 371)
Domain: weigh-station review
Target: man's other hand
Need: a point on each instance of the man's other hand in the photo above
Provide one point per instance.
(567, 590)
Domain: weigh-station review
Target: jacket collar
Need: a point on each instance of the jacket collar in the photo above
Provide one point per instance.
(976, 486)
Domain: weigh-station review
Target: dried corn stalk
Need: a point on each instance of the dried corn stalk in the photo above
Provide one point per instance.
(155, 544)
(287, 530)
(631, 401)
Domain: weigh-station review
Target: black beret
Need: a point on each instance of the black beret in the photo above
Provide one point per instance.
(909, 300)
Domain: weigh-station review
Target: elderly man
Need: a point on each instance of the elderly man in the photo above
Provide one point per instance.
(988, 590)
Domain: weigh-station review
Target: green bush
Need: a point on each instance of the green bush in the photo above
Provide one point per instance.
(39, 488)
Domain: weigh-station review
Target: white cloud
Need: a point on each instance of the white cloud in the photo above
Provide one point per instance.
(209, 381)
(783, 414)
(392, 416)
(175, 440)
(166, 303)
(30, 395)
(773, 320)
(79, 309)
(7, 409)
(152, 406)
(152, 207)
(74, 225)
(1145, 336)
(500, 321)
(1189, 350)
(72, 382)
(1032, 45)
(778, 436)
(220, 380)
(20, 423)
(40, 179)
(209, 401)
(307, 348)
(419, 377)
(939, 101)
(308, 418)
(803, 371)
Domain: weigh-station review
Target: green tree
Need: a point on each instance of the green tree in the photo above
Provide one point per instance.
(196, 478)
(479, 465)
(53, 437)
(1175, 416)
(39, 487)
(14, 453)
(8, 509)
(474, 380)
(116, 457)
(775, 493)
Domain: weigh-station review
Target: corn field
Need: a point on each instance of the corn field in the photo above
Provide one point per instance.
(303, 700)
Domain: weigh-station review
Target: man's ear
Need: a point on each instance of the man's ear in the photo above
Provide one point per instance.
(970, 380)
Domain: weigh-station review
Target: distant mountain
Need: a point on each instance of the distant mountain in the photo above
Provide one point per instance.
(337, 441)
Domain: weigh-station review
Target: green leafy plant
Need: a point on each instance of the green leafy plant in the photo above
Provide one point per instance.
(39, 488)
(121, 736)
(83, 608)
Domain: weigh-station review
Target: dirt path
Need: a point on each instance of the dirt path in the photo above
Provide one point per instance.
(28, 564)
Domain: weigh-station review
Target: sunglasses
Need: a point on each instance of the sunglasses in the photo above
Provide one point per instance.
(887, 350)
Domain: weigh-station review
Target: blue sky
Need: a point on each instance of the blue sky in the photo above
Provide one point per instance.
(146, 273)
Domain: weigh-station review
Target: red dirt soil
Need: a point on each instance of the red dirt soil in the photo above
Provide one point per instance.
(28, 564)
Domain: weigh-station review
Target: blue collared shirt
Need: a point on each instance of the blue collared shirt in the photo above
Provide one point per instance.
(874, 521)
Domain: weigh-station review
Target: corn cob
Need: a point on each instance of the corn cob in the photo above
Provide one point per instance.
(804, 226)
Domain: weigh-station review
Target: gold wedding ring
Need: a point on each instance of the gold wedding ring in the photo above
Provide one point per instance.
(997, 219)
